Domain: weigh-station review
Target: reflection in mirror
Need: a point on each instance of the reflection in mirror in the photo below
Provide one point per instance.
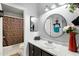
(33, 24)
(54, 25)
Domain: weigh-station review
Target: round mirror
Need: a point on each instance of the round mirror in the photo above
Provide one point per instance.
(54, 25)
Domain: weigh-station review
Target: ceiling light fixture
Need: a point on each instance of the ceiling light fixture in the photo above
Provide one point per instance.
(47, 8)
(53, 6)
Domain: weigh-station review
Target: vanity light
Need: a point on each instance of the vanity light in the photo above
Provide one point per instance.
(53, 6)
(46, 9)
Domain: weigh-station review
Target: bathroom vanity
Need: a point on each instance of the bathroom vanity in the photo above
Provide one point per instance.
(36, 51)
(43, 48)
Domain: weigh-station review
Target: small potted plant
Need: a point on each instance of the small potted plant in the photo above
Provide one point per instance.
(71, 29)
(73, 6)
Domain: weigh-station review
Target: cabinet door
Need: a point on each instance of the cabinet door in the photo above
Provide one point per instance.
(34, 51)
(31, 50)
(37, 51)
(46, 54)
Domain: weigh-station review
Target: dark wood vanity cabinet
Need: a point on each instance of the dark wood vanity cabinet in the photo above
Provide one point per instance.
(46, 54)
(35, 51)
(31, 52)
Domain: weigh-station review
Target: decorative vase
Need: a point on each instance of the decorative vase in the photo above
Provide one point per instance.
(72, 42)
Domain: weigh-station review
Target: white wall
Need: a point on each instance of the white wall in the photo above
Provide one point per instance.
(27, 34)
(68, 16)
(1, 41)
(29, 10)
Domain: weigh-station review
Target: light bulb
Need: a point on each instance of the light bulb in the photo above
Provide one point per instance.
(46, 9)
(53, 6)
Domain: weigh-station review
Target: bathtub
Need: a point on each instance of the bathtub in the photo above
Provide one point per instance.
(13, 49)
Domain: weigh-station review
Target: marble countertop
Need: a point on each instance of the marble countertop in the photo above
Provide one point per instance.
(53, 48)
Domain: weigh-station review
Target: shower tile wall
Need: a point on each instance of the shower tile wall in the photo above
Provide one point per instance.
(12, 30)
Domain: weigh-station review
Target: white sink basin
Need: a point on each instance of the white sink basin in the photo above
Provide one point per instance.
(49, 45)
(46, 44)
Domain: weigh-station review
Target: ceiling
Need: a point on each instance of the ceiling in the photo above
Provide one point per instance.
(7, 8)
(40, 7)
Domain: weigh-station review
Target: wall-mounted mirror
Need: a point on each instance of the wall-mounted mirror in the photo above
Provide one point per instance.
(33, 24)
(54, 25)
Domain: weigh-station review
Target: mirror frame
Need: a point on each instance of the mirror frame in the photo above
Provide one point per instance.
(62, 31)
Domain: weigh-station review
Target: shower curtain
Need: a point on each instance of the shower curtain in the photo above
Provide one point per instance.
(12, 31)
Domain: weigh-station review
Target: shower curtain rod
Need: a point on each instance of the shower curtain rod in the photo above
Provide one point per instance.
(13, 16)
